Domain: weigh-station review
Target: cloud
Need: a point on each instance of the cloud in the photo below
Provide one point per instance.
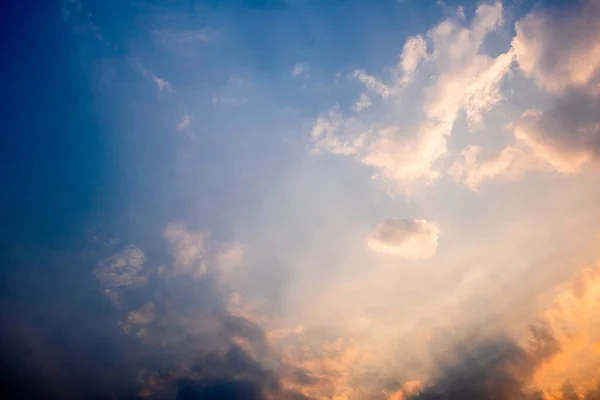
(560, 50)
(196, 253)
(363, 102)
(412, 239)
(207, 348)
(496, 369)
(162, 84)
(464, 80)
(372, 83)
(567, 135)
(560, 47)
(510, 164)
(299, 70)
(189, 250)
(184, 122)
(413, 53)
(124, 268)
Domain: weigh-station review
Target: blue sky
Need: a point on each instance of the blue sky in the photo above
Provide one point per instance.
(297, 199)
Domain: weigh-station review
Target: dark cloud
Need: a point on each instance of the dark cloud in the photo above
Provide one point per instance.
(558, 47)
(494, 370)
(567, 134)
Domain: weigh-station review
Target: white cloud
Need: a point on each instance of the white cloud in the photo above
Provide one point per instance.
(465, 80)
(510, 164)
(162, 84)
(122, 269)
(363, 102)
(410, 238)
(372, 83)
(413, 53)
(298, 70)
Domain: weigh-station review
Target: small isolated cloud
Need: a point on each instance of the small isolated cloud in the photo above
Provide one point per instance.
(364, 101)
(299, 70)
(162, 84)
(410, 238)
(122, 269)
(184, 122)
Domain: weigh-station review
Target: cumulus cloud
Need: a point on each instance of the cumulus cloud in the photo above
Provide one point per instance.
(465, 80)
(566, 135)
(560, 47)
(560, 50)
(412, 239)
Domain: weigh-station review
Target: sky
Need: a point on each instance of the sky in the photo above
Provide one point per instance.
(300, 199)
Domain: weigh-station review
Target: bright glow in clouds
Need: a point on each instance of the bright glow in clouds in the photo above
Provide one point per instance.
(465, 79)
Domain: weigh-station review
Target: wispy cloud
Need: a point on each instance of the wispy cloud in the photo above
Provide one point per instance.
(299, 70)
(184, 122)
